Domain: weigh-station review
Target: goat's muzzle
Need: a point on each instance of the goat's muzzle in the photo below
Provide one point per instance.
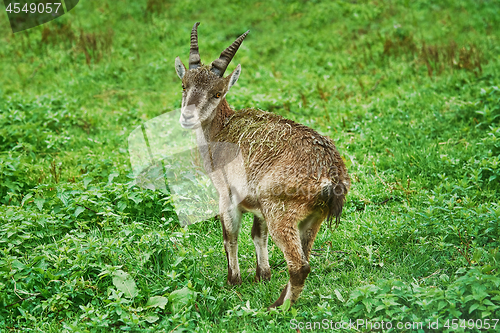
(189, 118)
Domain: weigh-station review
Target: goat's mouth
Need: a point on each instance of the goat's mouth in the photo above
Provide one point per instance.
(188, 124)
(189, 117)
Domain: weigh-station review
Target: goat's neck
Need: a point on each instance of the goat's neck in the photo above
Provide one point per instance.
(222, 113)
(207, 132)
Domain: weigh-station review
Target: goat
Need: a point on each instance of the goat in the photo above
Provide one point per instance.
(289, 176)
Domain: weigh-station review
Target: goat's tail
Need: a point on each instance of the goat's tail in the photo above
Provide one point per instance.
(333, 195)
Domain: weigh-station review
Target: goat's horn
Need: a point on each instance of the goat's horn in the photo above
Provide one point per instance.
(219, 65)
(194, 54)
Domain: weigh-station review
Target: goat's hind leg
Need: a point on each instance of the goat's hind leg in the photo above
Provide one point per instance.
(287, 237)
(308, 229)
(260, 238)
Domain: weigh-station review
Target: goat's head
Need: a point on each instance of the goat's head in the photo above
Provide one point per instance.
(204, 87)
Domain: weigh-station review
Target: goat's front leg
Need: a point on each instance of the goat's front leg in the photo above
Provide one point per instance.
(259, 236)
(231, 223)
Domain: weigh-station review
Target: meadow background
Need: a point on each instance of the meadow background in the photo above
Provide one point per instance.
(408, 90)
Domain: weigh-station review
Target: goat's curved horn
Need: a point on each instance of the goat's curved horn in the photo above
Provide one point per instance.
(219, 65)
(194, 54)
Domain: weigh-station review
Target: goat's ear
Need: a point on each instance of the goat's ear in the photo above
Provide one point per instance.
(234, 76)
(180, 68)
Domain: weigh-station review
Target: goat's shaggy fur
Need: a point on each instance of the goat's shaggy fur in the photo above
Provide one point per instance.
(289, 176)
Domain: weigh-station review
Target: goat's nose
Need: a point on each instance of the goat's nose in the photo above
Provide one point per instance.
(188, 116)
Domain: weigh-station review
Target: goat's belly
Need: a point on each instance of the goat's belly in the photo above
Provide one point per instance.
(251, 205)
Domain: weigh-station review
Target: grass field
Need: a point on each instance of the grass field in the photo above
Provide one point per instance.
(408, 90)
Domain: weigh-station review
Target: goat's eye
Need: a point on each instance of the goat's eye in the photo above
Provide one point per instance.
(183, 88)
(217, 95)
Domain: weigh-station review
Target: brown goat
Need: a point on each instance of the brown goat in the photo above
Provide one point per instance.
(289, 176)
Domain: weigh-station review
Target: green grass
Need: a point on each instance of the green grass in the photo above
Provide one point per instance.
(408, 90)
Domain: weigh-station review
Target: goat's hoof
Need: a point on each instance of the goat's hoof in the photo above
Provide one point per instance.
(262, 274)
(280, 299)
(234, 280)
(275, 304)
